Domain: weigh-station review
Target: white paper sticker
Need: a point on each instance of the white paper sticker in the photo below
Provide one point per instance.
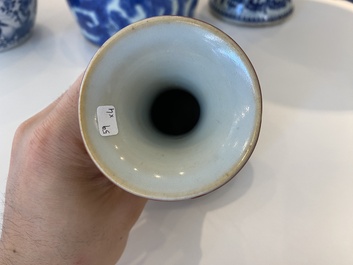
(107, 121)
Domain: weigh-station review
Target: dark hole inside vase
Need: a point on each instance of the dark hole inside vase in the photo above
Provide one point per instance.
(175, 111)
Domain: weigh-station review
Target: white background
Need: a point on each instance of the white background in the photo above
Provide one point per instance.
(293, 201)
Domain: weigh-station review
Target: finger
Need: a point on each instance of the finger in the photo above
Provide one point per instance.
(130, 204)
(68, 102)
(33, 121)
(69, 99)
(63, 113)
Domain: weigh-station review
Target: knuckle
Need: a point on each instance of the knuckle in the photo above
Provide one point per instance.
(24, 127)
(33, 135)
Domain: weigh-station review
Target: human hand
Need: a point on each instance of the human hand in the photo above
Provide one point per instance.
(59, 208)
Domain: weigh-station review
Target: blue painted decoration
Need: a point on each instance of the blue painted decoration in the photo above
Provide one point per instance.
(252, 12)
(100, 19)
(17, 18)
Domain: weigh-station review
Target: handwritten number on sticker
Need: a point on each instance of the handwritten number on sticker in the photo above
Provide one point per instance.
(105, 129)
(107, 120)
(110, 112)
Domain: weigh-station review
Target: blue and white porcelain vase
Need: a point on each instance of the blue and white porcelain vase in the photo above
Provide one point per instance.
(100, 19)
(17, 18)
(252, 12)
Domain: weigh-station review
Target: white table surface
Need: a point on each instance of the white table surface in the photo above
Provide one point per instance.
(293, 201)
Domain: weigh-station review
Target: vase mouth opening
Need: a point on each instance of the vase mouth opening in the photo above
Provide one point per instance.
(174, 111)
(188, 108)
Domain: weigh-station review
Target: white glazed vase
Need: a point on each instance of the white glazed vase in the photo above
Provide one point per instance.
(170, 108)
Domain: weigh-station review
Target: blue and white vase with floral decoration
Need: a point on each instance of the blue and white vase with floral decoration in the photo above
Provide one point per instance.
(252, 12)
(100, 19)
(17, 18)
